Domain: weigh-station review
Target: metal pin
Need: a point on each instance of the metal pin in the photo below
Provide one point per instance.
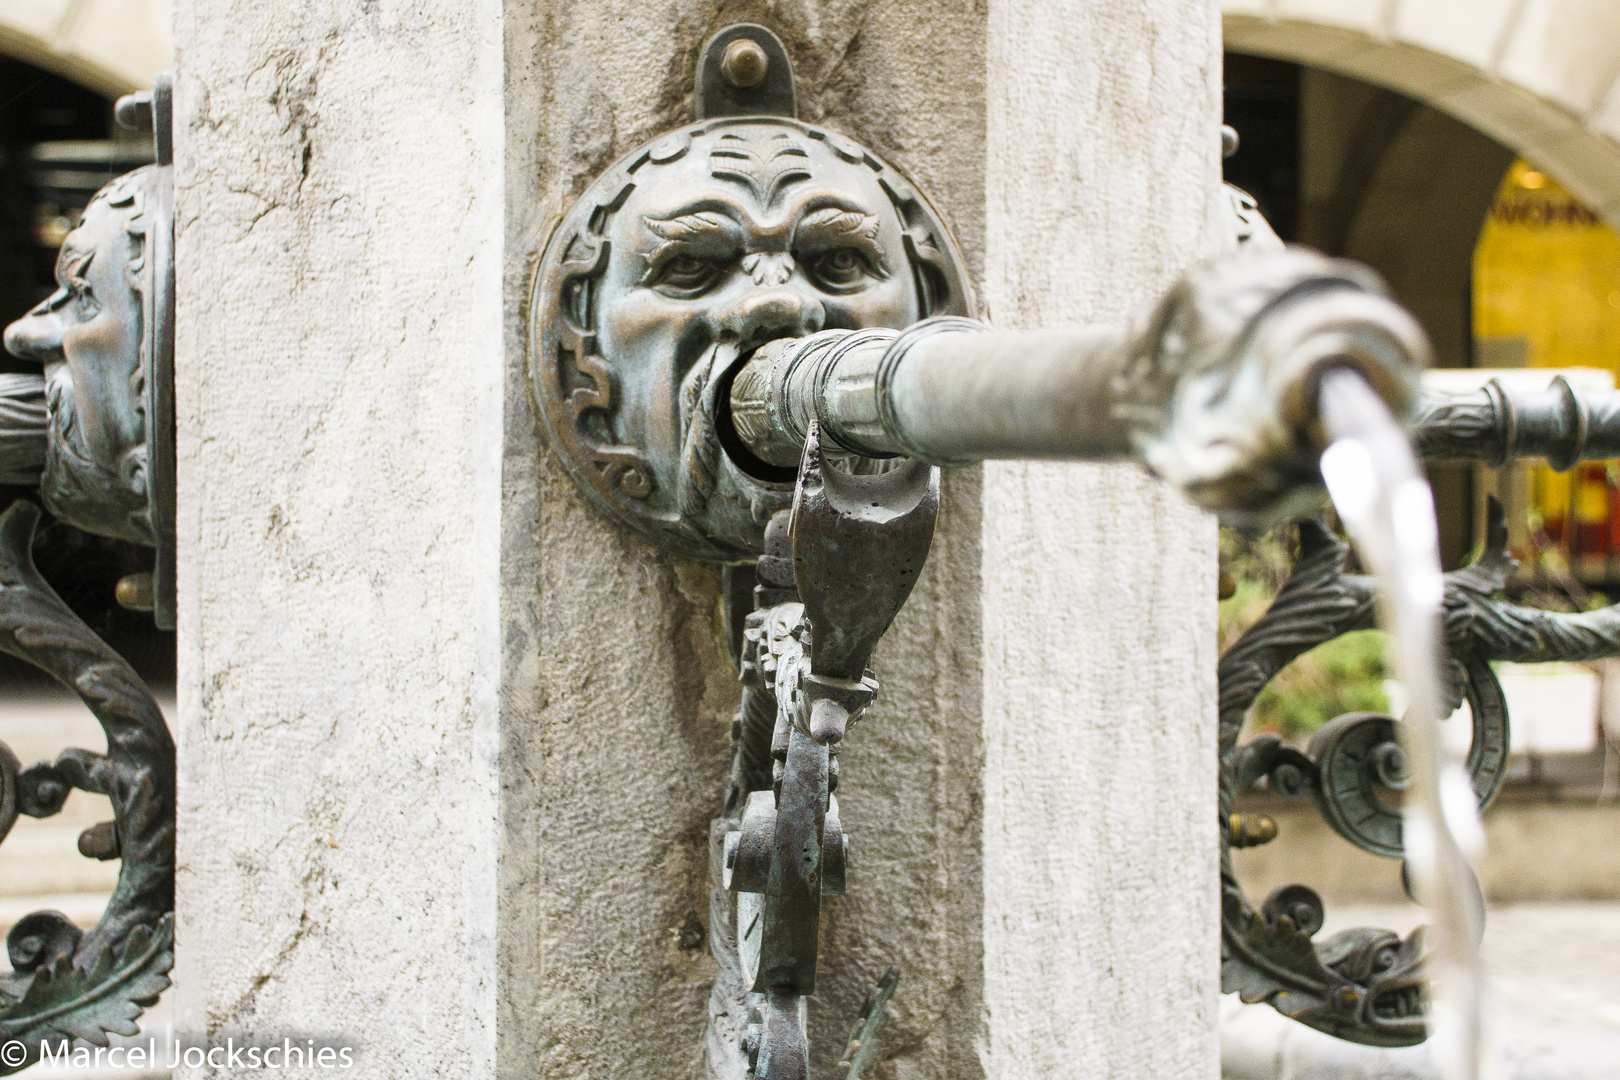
(99, 841)
(744, 64)
(136, 592)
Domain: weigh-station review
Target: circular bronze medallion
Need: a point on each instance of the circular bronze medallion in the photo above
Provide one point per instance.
(678, 262)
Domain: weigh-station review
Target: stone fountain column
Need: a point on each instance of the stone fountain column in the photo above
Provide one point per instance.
(450, 742)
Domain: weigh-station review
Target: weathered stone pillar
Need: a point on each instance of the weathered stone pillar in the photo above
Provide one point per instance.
(450, 742)
(339, 267)
(1101, 929)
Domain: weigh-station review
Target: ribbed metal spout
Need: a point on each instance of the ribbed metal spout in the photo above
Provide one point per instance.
(1214, 389)
(1495, 424)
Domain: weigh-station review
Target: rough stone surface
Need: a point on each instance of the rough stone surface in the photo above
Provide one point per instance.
(451, 742)
(340, 360)
(1101, 920)
(610, 785)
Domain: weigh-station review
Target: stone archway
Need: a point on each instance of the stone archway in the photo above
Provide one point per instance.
(1539, 76)
(110, 46)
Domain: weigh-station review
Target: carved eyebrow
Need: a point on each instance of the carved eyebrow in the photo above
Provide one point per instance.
(73, 264)
(835, 227)
(703, 233)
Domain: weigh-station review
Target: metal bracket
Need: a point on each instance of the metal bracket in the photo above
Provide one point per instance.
(858, 546)
(745, 71)
(160, 338)
(155, 107)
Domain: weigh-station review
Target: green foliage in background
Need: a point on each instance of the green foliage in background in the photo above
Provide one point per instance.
(1344, 675)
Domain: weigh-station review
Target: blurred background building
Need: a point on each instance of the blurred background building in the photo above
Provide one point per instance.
(1468, 153)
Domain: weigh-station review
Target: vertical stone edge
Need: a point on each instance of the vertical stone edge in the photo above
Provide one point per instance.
(1101, 914)
(617, 699)
(519, 910)
(338, 384)
(492, 494)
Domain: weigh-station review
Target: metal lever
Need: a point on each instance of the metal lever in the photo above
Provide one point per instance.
(859, 544)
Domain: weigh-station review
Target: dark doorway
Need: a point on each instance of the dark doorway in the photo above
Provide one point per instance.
(1262, 105)
(58, 146)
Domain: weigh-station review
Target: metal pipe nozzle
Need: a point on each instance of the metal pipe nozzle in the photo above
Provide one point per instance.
(1214, 389)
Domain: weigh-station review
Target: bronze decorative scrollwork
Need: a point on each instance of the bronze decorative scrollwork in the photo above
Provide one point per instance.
(65, 984)
(1364, 985)
(101, 450)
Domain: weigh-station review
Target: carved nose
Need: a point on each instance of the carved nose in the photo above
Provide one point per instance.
(775, 312)
(36, 336)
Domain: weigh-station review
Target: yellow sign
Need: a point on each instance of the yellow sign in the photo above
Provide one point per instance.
(1547, 294)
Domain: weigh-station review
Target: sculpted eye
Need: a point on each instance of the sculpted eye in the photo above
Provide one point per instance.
(76, 290)
(685, 275)
(84, 302)
(839, 268)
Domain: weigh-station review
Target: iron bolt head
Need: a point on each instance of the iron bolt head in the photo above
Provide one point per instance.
(137, 592)
(99, 841)
(1389, 765)
(1288, 781)
(744, 64)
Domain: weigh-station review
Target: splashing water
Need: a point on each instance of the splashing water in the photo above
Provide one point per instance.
(1373, 478)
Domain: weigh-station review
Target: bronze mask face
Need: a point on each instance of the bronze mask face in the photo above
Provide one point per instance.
(91, 337)
(679, 261)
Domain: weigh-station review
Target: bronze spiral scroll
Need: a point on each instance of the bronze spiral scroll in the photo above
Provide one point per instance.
(65, 984)
(1364, 985)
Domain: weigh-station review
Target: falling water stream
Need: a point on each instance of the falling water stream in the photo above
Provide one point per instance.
(1373, 477)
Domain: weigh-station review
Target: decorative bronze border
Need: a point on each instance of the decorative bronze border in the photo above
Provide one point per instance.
(577, 389)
